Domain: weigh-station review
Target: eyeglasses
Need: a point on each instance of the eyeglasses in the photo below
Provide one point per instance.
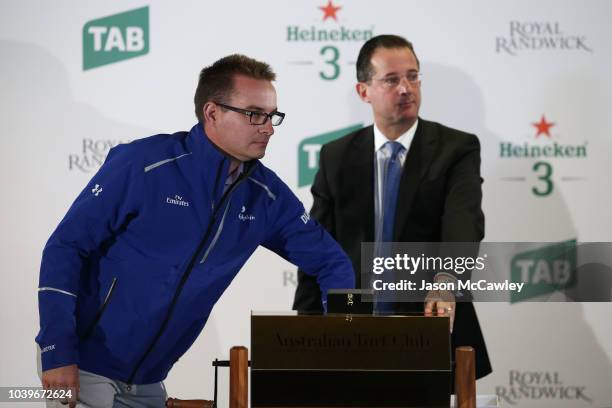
(257, 117)
(393, 81)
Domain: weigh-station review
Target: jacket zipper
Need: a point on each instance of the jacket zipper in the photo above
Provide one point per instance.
(100, 312)
(190, 267)
(213, 242)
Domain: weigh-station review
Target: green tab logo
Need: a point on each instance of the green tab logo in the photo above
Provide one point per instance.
(544, 270)
(308, 153)
(115, 38)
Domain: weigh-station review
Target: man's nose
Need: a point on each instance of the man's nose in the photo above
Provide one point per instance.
(267, 128)
(405, 85)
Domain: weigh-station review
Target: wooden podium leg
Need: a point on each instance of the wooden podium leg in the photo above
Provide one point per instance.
(239, 377)
(465, 377)
(177, 403)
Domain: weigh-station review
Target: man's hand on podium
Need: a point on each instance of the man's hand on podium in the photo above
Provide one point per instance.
(441, 303)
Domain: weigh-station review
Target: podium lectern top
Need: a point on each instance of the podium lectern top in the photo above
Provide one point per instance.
(350, 361)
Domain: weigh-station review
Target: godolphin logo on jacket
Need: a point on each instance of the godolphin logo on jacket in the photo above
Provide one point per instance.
(115, 38)
(243, 216)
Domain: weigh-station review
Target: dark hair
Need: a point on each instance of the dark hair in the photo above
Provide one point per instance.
(364, 60)
(216, 82)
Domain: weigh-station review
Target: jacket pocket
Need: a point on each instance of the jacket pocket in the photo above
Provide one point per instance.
(101, 310)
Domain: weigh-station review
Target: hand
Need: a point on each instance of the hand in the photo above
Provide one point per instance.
(63, 378)
(441, 303)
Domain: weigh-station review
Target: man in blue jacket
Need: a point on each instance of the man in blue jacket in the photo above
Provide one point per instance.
(132, 272)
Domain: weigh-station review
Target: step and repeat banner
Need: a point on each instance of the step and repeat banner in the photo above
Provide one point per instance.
(531, 79)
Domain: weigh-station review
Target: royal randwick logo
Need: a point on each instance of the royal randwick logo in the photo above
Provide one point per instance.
(527, 388)
(91, 155)
(544, 270)
(325, 26)
(542, 144)
(527, 36)
(115, 38)
(308, 152)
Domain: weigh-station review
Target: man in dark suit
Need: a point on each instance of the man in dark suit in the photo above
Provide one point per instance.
(434, 195)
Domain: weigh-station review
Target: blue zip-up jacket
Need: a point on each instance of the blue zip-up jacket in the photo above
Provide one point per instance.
(131, 274)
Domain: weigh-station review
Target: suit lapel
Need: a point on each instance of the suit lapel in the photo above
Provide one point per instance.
(358, 181)
(416, 165)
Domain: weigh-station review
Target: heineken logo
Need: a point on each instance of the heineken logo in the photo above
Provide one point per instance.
(314, 34)
(330, 11)
(542, 127)
(296, 33)
(308, 152)
(543, 145)
(553, 150)
(330, 31)
(115, 38)
(544, 270)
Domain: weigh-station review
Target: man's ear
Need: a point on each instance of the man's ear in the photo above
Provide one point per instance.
(209, 110)
(362, 91)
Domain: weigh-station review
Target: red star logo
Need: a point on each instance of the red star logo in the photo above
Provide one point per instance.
(543, 127)
(330, 11)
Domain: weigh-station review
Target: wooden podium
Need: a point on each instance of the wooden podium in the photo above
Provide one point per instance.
(350, 361)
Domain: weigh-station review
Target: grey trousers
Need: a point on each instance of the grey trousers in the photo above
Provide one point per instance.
(97, 391)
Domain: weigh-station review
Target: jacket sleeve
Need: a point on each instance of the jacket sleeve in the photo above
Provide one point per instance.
(308, 294)
(463, 219)
(302, 241)
(105, 206)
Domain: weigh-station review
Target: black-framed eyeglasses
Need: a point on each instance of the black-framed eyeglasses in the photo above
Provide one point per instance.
(257, 117)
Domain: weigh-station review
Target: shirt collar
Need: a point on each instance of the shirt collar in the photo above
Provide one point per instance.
(233, 176)
(405, 139)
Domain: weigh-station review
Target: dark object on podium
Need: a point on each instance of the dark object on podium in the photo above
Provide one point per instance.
(350, 301)
(350, 361)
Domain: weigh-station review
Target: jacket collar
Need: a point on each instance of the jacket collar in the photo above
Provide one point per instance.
(205, 152)
(212, 162)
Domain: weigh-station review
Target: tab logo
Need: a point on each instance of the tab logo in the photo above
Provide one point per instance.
(308, 152)
(115, 38)
(544, 270)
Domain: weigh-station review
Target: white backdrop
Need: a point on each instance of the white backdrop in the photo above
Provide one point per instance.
(491, 68)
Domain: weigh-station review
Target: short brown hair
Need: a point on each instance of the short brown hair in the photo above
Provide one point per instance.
(364, 60)
(216, 82)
